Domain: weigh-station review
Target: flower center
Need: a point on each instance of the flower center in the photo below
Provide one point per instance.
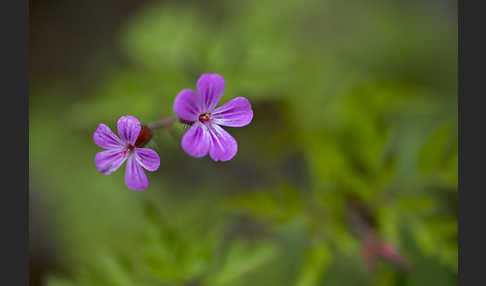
(128, 149)
(205, 117)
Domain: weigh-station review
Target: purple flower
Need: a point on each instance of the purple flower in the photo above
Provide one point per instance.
(205, 135)
(125, 148)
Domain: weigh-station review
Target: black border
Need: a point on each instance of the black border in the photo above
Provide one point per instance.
(472, 142)
(14, 211)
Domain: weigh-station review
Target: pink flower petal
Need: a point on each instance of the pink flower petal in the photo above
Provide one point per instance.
(147, 158)
(104, 138)
(210, 87)
(109, 161)
(234, 113)
(223, 145)
(129, 128)
(187, 105)
(196, 141)
(135, 177)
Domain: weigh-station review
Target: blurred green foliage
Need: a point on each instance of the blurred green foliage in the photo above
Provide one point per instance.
(351, 98)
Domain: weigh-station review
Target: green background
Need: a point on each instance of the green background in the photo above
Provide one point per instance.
(350, 98)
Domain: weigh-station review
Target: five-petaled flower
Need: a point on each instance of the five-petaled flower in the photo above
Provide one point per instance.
(126, 148)
(205, 135)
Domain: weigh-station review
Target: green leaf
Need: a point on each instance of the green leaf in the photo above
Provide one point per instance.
(242, 258)
(314, 266)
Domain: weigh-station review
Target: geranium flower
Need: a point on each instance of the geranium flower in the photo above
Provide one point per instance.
(126, 148)
(199, 109)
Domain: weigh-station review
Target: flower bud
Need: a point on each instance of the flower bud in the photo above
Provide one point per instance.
(144, 136)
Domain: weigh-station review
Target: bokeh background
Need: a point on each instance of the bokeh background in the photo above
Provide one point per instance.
(355, 129)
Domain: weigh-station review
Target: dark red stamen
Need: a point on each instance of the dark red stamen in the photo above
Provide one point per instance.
(204, 117)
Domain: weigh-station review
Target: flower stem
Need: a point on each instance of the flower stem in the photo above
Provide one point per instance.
(165, 123)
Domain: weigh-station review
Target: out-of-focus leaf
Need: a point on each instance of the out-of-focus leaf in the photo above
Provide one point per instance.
(428, 272)
(314, 266)
(280, 205)
(242, 258)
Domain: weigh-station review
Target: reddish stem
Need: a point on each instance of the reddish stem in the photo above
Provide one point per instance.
(165, 123)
